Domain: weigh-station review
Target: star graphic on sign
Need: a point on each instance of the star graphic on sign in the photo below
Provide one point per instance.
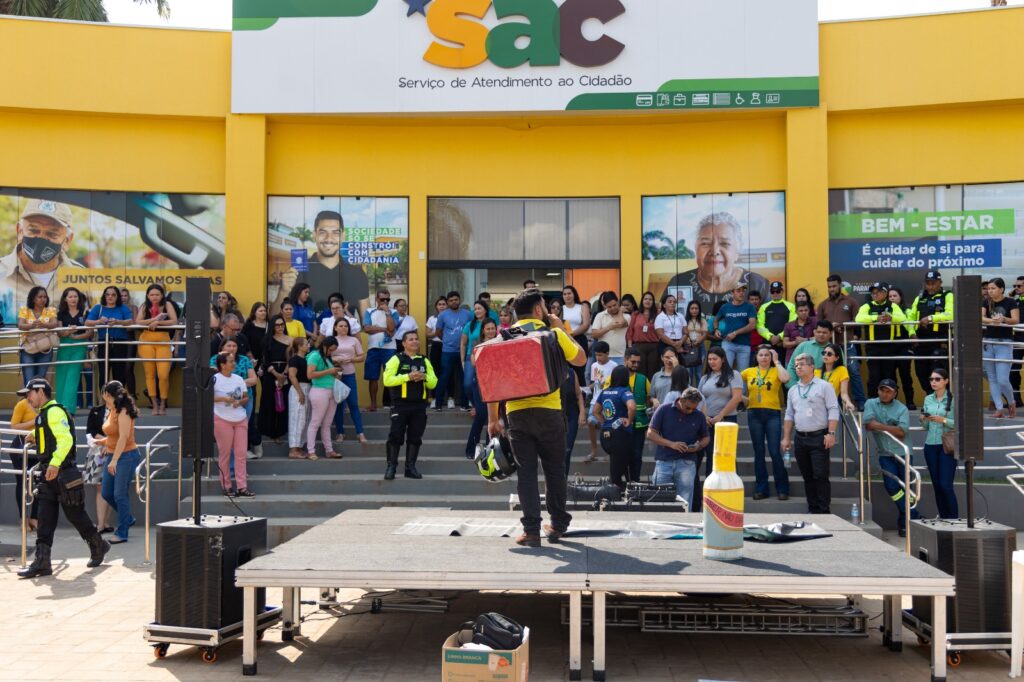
(417, 6)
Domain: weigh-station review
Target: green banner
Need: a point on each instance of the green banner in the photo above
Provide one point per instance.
(917, 225)
(276, 9)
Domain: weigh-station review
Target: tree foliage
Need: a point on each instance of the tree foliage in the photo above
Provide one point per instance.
(73, 10)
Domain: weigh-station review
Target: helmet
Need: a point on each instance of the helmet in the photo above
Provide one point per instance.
(494, 460)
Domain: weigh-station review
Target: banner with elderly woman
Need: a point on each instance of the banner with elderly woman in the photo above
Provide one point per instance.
(699, 247)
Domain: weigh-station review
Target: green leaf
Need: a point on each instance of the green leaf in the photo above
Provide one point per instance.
(31, 8)
(163, 7)
(80, 10)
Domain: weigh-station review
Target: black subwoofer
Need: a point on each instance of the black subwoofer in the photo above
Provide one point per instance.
(195, 570)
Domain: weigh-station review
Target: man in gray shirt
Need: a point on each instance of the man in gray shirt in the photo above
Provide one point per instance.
(812, 410)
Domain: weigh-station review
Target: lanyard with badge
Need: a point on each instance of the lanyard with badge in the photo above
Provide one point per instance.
(803, 396)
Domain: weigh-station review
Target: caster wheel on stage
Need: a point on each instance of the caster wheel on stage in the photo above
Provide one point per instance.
(210, 655)
(953, 659)
(160, 651)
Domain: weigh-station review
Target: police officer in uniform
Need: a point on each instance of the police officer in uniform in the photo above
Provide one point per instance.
(55, 480)
(773, 317)
(881, 317)
(408, 376)
(933, 310)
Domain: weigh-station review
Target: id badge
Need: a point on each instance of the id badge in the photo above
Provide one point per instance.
(810, 412)
(645, 328)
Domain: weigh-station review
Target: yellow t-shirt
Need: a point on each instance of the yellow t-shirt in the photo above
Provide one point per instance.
(836, 378)
(553, 400)
(23, 412)
(763, 388)
(295, 329)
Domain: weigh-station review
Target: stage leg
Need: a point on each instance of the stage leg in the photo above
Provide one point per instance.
(886, 619)
(938, 639)
(328, 598)
(1017, 617)
(292, 614)
(895, 622)
(598, 619)
(575, 634)
(249, 630)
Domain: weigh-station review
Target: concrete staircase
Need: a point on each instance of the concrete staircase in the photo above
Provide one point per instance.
(296, 494)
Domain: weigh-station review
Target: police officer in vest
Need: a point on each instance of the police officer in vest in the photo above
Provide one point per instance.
(408, 376)
(881, 317)
(933, 310)
(58, 483)
(773, 317)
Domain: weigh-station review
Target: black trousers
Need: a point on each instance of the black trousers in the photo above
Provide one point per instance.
(1015, 369)
(906, 379)
(932, 355)
(618, 443)
(408, 422)
(119, 370)
(878, 368)
(537, 436)
(813, 460)
(49, 506)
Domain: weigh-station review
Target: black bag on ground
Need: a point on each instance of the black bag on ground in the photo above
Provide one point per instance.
(496, 631)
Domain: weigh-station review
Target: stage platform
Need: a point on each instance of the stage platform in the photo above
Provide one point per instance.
(365, 549)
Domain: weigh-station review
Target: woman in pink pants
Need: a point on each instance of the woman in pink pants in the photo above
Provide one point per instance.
(230, 425)
(321, 372)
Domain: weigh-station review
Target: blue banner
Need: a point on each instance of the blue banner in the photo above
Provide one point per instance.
(915, 255)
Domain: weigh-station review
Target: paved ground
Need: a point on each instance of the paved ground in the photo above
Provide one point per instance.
(86, 624)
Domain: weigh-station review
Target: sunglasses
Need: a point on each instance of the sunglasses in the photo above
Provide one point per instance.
(278, 324)
(828, 352)
(934, 378)
(381, 298)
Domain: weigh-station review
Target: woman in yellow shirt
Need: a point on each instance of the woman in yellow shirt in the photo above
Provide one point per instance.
(294, 327)
(834, 372)
(36, 317)
(763, 384)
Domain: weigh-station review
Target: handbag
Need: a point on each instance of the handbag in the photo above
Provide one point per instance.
(341, 391)
(40, 342)
(949, 437)
(690, 357)
(278, 399)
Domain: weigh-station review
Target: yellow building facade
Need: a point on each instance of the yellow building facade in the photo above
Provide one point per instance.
(926, 100)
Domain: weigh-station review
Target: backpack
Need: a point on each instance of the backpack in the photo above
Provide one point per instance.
(523, 363)
(496, 631)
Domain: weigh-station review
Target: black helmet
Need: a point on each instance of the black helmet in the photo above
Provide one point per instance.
(494, 460)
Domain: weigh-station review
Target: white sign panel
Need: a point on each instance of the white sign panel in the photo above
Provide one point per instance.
(448, 56)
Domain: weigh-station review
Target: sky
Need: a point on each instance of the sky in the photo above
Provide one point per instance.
(216, 14)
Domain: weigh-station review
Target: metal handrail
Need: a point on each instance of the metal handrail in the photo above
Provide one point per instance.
(1017, 479)
(142, 488)
(856, 431)
(27, 496)
(910, 497)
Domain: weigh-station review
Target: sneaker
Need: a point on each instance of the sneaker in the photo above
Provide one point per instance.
(467, 408)
(245, 492)
(451, 404)
(528, 540)
(783, 497)
(251, 455)
(437, 409)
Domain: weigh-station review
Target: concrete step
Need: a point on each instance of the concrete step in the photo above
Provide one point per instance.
(271, 506)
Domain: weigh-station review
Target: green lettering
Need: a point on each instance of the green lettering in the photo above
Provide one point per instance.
(542, 28)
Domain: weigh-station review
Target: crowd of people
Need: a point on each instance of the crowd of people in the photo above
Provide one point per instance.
(653, 370)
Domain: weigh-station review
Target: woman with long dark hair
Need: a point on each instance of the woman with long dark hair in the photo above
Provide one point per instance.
(322, 373)
(111, 314)
(301, 297)
(696, 334)
(256, 328)
(73, 348)
(230, 426)
(122, 455)
(348, 353)
(436, 346)
(615, 408)
(998, 315)
(722, 389)
(803, 296)
(273, 372)
(937, 417)
(577, 319)
(156, 312)
(834, 371)
(765, 382)
(488, 331)
(298, 399)
(36, 318)
(642, 335)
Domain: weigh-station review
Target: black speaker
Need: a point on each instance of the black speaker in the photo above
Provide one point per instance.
(968, 406)
(979, 560)
(197, 398)
(195, 570)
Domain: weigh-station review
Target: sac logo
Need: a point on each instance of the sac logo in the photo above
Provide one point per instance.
(551, 33)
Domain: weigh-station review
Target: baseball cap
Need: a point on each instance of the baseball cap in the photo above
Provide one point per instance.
(22, 392)
(887, 383)
(741, 285)
(775, 286)
(932, 274)
(34, 384)
(54, 210)
(879, 285)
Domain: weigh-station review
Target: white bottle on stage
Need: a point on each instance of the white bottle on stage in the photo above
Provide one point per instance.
(723, 499)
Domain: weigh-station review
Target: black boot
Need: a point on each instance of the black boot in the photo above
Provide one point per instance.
(40, 566)
(389, 473)
(411, 453)
(98, 548)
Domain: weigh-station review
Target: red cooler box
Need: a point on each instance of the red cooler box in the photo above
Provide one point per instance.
(520, 367)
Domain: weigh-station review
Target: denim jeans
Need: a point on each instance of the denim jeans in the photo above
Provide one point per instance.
(114, 489)
(682, 472)
(472, 389)
(40, 363)
(451, 365)
(856, 383)
(737, 354)
(890, 465)
(942, 469)
(998, 373)
(353, 405)
(767, 424)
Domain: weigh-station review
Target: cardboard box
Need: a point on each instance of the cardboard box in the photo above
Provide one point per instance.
(468, 665)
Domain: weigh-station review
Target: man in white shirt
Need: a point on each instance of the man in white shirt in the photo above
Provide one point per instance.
(338, 312)
(610, 326)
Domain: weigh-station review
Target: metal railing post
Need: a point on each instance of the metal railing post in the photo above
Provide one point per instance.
(106, 357)
(26, 506)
